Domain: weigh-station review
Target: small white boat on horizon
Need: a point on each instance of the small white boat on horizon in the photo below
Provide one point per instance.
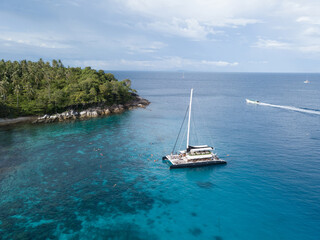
(252, 101)
(306, 81)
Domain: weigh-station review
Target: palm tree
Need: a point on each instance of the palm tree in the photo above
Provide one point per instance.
(49, 76)
(17, 90)
(29, 90)
(4, 88)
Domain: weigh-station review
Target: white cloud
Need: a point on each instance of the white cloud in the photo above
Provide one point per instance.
(196, 19)
(312, 31)
(308, 30)
(301, 47)
(202, 10)
(219, 63)
(304, 19)
(189, 28)
(310, 49)
(271, 44)
(235, 22)
(39, 40)
(142, 46)
(164, 63)
(258, 62)
(292, 21)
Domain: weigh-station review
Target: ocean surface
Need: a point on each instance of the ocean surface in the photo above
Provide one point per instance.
(104, 178)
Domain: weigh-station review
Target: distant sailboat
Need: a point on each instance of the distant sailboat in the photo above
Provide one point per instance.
(193, 156)
(306, 81)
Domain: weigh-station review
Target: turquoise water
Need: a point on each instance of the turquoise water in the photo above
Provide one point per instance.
(104, 178)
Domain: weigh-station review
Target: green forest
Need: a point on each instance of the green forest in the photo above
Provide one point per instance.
(34, 88)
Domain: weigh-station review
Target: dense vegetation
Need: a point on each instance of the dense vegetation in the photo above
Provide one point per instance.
(32, 88)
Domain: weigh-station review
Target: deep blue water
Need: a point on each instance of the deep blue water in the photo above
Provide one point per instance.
(104, 178)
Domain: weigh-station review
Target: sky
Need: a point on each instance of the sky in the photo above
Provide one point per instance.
(165, 35)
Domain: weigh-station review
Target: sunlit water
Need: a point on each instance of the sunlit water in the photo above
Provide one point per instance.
(104, 178)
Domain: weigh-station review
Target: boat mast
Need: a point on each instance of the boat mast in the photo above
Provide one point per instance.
(189, 117)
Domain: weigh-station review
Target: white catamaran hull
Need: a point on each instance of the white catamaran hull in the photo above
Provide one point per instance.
(182, 162)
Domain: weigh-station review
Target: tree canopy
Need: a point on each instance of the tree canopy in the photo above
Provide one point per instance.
(31, 88)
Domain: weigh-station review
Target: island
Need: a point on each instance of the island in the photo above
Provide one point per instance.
(44, 92)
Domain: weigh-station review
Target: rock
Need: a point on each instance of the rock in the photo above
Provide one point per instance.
(44, 116)
(94, 114)
(61, 119)
(141, 106)
(73, 113)
(100, 112)
(39, 120)
(144, 102)
(83, 114)
(63, 115)
(112, 108)
(90, 113)
(117, 110)
(69, 115)
(106, 111)
(52, 118)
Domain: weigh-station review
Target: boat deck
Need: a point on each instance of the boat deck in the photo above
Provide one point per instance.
(182, 162)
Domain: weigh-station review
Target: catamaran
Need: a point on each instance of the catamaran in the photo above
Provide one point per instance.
(193, 156)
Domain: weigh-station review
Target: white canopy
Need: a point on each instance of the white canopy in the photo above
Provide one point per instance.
(201, 149)
(199, 146)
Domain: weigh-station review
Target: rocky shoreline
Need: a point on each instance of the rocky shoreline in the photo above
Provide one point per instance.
(14, 121)
(93, 112)
(99, 109)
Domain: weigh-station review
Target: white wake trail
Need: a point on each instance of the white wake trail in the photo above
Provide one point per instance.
(286, 107)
